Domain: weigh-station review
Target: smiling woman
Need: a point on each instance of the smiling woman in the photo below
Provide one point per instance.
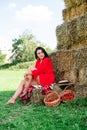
(40, 74)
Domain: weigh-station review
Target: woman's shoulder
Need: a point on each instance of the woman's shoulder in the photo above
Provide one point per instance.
(47, 59)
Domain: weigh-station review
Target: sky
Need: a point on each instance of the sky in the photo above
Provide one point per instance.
(39, 17)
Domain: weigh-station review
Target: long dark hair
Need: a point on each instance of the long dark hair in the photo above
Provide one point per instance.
(43, 50)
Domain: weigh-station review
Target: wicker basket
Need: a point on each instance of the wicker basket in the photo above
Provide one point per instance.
(52, 99)
(67, 95)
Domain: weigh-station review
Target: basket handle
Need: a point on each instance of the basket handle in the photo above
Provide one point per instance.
(68, 86)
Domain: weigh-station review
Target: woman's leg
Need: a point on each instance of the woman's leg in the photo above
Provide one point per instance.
(17, 93)
(35, 81)
(23, 86)
(30, 82)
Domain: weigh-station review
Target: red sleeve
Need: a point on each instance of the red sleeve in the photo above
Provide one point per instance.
(41, 67)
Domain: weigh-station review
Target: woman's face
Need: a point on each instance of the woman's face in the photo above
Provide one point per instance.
(40, 54)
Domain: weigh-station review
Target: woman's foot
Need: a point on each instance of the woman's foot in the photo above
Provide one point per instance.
(11, 101)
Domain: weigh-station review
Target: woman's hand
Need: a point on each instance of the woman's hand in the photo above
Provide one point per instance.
(32, 68)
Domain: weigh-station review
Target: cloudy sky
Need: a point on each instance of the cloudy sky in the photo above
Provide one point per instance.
(39, 17)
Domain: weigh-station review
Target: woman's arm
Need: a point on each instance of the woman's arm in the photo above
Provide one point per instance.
(42, 67)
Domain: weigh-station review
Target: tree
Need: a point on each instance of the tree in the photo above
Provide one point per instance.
(2, 57)
(24, 47)
(17, 50)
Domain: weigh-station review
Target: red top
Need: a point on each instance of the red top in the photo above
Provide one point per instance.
(45, 71)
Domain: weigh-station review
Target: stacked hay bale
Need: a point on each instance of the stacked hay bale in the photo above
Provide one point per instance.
(80, 64)
(72, 34)
(75, 8)
(70, 60)
(53, 57)
(72, 65)
(72, 3)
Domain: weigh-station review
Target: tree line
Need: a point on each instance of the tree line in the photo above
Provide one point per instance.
(23, 48)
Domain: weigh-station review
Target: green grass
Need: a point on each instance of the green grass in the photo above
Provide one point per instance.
(9, 79)
(66, 116)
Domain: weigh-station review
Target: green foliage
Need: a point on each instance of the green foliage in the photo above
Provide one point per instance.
(66, 116)
(16, 66)
(24, 47)
(2, 57)
(17, 45)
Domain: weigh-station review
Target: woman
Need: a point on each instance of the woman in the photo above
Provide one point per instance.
(40, 74)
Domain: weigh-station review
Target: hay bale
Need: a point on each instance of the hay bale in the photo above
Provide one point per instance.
(80, 57)
(83, 75)
(36, 96)
(61, 33)
(71, 65)
(71, 76)
(71, 13)
(80, 64)
(64, 60)
(72, 33)
(68, 3)
(61, 30)
(67, 36)
(81, 9)
(72, 3)
(54, 59)
(65, 66)
(81, 90)
(66, 14)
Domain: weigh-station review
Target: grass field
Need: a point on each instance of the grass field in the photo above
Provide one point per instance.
(66, 116)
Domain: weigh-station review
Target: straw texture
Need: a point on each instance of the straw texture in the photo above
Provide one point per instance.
(76, 11)
(72, 3)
